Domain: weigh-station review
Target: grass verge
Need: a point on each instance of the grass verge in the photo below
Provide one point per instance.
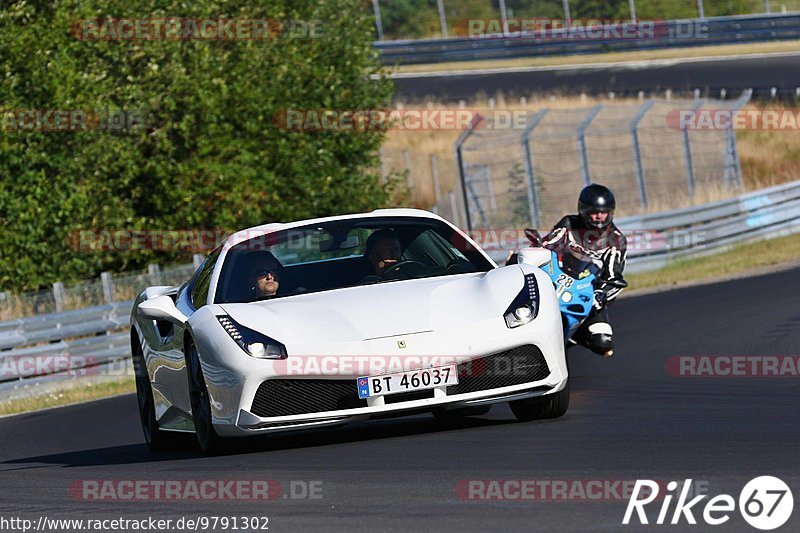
(741, 259)
(608, 57)
(67, 393)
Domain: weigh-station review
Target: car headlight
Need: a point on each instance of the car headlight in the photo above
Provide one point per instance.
(254, 343)
(525, 306)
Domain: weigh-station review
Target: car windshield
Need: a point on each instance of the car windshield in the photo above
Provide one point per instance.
(344, 253)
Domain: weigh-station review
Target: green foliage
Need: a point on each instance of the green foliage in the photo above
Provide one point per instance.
(208, 155)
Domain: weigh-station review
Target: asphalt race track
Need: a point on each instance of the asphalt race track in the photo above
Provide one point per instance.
(781, 71)
(629, 419)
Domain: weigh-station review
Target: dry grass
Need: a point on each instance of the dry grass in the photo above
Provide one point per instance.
(767, 157)
(742, 258)
(610, 57)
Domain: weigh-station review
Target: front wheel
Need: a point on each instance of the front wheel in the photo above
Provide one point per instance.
(550, 406)
(207, 438)
(156, 438)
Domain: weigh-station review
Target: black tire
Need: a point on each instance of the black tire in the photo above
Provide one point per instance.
(207, 438)
(450, 415)
(156, 438)
(550, 406)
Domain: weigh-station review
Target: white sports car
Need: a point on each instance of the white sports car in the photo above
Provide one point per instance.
(321, 322)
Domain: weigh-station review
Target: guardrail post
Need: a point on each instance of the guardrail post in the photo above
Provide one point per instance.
(687, 155)
(155, 274)
(108, 289)
(637, 153)
(378, 23)
(197, 260)
(435, 175)
(476, 120)
(587, 179)
(533, 195)
(59, 296)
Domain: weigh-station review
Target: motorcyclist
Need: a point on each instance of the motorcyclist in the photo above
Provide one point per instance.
(591, 234)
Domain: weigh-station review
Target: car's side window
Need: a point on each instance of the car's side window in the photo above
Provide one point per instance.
(200, 289)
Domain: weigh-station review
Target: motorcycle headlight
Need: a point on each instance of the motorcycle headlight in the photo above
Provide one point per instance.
(254, 343)
(525, 306)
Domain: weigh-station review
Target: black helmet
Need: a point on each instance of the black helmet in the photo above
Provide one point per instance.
(596, 198)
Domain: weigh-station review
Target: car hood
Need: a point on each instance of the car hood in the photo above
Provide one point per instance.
(383, 310)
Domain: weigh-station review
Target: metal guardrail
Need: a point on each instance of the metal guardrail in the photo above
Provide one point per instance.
(673, 33)
(98, 336)
(656, 239)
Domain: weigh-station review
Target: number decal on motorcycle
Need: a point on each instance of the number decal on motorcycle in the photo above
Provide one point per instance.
(565, 280)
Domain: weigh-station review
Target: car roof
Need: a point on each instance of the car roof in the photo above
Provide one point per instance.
(273, 227)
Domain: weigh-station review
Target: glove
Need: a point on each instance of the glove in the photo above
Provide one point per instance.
(600, 299)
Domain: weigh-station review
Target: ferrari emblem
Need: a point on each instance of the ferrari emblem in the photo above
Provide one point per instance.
(401, 344)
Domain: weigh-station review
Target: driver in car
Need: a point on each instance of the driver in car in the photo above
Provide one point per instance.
(265, 278)
(383, 250)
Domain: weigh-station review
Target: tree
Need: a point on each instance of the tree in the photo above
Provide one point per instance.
(208, 154)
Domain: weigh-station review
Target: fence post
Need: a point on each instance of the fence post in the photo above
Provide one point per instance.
(108, 289)
(687, 155)
(767, 9)
(567, 17)
(700, 13)
(197, 260)
(533, 196)
(383, 166)
(587, 178)
(378, 23)
(443, 18)
(477, 119)
(504, 17)
(732, 150)
(632, 7)
(453, 207)
(59, 296)
(155, 274)
(637, 153)
(435, 174)
(407, 165)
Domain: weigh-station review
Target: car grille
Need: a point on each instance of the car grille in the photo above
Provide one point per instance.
(285, 397)
(523, 364)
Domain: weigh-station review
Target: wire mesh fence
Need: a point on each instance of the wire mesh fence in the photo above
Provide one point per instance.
(653, 161)
(109, 288)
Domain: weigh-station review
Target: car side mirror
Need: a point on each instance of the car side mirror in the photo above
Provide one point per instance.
(537, 257)
(162, 308)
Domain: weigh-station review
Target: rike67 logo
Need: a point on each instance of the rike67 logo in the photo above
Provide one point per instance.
(765, 503)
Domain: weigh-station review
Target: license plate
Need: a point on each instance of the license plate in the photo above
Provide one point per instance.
(412, 380)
